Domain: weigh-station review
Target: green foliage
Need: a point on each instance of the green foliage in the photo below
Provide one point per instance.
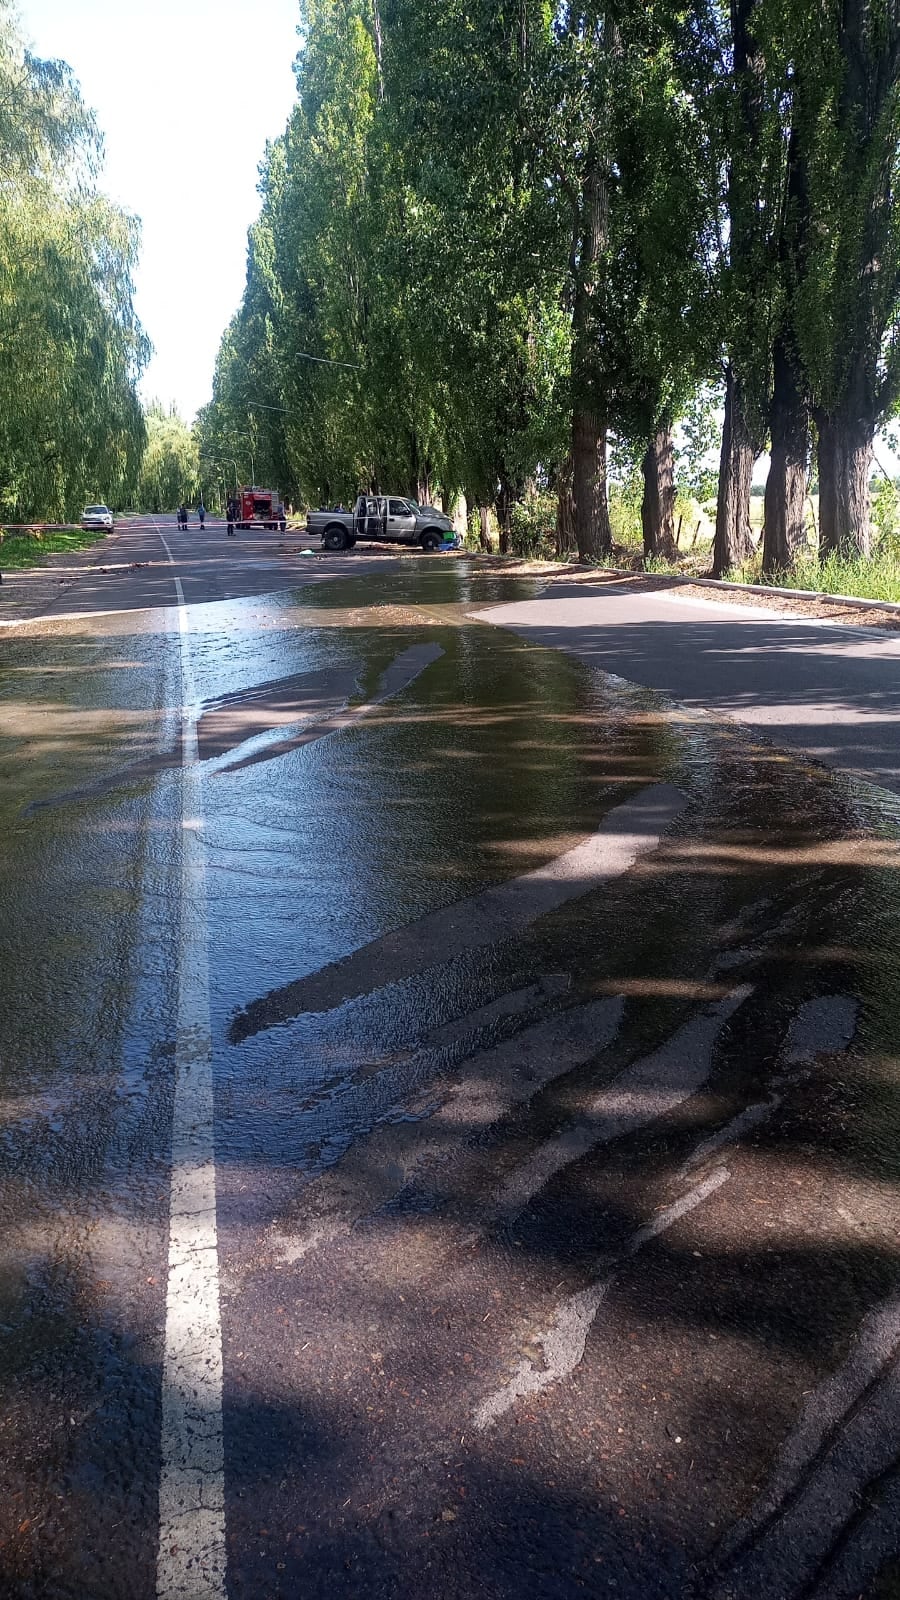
(399, 253)
(534, 527)
(886, 515)
(848, 310)
(170, 468)
(417, 230)
(625, 496)
(71, 348)
(484, 222)
(867, 578)
(700, 428)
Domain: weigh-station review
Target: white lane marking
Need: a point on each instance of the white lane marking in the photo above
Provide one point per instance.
(817, 1443)
(827, 1515)
(627, 832)
(191, 1560)
(824, 1026)
(731, 1132)
(403, 671)
(488, 1086)
(644, 1092)
(563, 1344)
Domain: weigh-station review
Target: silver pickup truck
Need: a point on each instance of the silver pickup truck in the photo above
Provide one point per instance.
(387, 518)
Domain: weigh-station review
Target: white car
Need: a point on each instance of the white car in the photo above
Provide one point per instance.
(97, 517)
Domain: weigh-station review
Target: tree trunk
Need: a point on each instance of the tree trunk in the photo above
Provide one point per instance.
(504, 506)
(419, 472)
(750, 273)
(484, 526)
(845, 465)
(784, 530)
(565, 512)
(593, 532)
(658, 504)
(784, 520)
(379, 46)
(733, 543)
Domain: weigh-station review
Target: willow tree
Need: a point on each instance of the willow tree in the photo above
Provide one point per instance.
(70, 345)
(170, 468)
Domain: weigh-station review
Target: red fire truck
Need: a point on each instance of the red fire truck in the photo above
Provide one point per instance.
(256, 508)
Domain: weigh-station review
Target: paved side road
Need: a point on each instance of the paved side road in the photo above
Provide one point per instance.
(815, 688)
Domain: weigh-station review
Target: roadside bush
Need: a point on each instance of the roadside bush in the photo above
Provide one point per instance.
(625, 513)
(886, 516)
(875, 578)
(534, 527)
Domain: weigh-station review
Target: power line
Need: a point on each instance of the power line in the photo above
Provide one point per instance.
(321, 361)
(352, 366)
(304, 355)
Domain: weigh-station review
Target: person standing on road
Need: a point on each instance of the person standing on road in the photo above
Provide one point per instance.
(201, 513)
(182, 518)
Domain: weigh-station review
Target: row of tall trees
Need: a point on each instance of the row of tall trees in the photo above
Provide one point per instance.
(71, 348)
(499, 237)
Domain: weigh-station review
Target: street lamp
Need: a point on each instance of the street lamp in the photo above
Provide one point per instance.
(249, 439)
(228, 460)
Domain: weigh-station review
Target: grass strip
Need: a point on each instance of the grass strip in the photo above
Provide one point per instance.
(22, 550)
(876, 577)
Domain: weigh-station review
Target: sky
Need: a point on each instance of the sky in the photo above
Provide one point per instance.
(186, 94)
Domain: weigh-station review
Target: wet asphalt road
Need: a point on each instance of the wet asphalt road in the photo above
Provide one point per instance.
(449, 1096)
(816, 688)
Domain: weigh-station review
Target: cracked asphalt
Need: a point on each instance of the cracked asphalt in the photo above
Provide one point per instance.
(449, 1087)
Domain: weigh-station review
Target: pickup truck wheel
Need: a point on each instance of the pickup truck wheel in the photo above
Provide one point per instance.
(335, 537)
(431, 540)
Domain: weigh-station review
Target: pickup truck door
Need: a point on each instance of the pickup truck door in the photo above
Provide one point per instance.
(367, 519)
(376, 511)
(401, 522)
